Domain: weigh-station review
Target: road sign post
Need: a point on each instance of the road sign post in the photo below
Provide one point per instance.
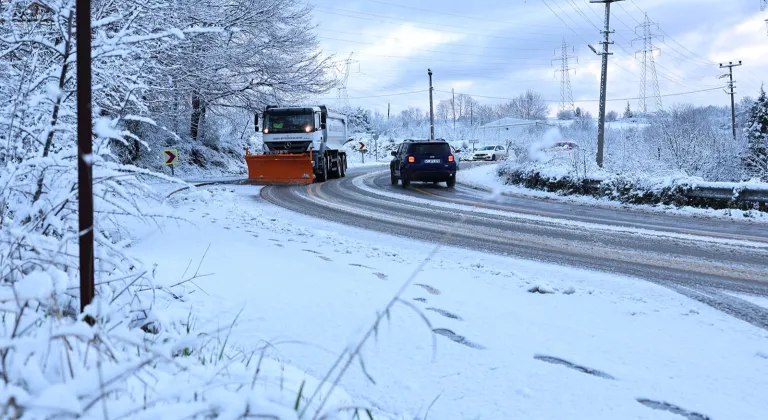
(473, 142)
(376, 146)
(171, 158)
(362, 148)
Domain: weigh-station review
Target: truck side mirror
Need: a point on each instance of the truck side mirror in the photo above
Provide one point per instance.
(256, 122)
(322, 126)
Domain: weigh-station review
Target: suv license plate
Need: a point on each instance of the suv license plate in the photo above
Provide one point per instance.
(431, 160)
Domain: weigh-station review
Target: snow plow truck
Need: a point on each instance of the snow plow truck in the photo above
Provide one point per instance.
(302, 145)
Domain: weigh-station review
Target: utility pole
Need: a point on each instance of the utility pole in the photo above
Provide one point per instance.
(603, 78)
(85, 149)
(566, 94)
(453, 109)
(387, 110)
(648, 63)
(763, 7)
(732, 92)
(431, 108)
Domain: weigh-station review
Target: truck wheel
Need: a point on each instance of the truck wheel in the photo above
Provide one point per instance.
(342, 166)
(322, 175)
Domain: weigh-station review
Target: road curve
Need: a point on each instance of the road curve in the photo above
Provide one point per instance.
(706, 260)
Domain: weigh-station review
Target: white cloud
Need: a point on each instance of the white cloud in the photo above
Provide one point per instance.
(407, 40)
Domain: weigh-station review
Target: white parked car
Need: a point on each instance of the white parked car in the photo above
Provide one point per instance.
(489, 153)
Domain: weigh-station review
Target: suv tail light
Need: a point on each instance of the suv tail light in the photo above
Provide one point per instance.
(450, 158)
(411, 159)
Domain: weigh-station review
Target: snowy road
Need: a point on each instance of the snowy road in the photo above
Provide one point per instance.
(710, 261)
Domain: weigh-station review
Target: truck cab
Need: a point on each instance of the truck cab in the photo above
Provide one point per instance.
(294, 134)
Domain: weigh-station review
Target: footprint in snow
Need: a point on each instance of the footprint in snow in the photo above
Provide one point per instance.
(381, 275)
(420, 299)
(665, 406)
(361, 266)
(457, 338)
(428, 288)
(558, 361)
(310, 250)
(445, 313)
(324, 258)
(280, 245)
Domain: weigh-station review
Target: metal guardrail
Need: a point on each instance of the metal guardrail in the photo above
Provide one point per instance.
(726, 193)
(757, 195)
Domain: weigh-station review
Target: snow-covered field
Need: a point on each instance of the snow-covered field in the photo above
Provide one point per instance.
(513, 339)
(485, 178)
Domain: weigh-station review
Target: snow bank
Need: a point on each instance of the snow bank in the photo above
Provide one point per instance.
(558, 185)
(509, 334)
(631, 188)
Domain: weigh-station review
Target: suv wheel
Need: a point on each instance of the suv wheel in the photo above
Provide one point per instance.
(404, 181)
(392, 177)
(493, 157)
(451, 182)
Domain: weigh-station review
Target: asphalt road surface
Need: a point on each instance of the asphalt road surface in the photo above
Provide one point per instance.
(706, 260)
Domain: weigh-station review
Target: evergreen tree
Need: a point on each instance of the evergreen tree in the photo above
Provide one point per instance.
(756, 133)
(628, 112)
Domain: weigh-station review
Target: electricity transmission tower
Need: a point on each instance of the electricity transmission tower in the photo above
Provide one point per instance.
(649, 63)
(566, 94)
(603, 76)
(342, 99)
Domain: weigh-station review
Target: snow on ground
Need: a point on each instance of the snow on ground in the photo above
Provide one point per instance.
(485, 178)
(513, 337)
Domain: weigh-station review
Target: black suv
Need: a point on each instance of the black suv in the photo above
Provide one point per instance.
(423, 160)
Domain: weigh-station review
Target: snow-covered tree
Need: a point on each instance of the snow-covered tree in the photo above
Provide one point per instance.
(756, 133)
(628, 111)
(528, 106)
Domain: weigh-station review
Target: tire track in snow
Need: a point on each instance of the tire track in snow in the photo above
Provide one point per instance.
(699, 271)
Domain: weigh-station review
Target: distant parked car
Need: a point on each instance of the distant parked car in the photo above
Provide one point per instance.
(489, 153)
(561, 146)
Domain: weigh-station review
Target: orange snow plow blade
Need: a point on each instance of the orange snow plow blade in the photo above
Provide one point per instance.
(280, 169)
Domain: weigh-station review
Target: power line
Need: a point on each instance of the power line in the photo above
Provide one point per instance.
(388, 36)
(381, 96)
(460, 16)
(431, 51)
(439, 26)
(591, 100)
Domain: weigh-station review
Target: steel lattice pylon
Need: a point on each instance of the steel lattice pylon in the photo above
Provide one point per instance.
(566, 93)
(648, 64)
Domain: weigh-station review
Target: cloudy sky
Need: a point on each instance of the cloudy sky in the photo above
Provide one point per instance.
(496, 49)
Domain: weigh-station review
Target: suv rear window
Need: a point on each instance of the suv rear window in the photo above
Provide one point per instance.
(430, 149)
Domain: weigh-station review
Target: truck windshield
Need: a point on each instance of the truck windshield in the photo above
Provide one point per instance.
(289, 123)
